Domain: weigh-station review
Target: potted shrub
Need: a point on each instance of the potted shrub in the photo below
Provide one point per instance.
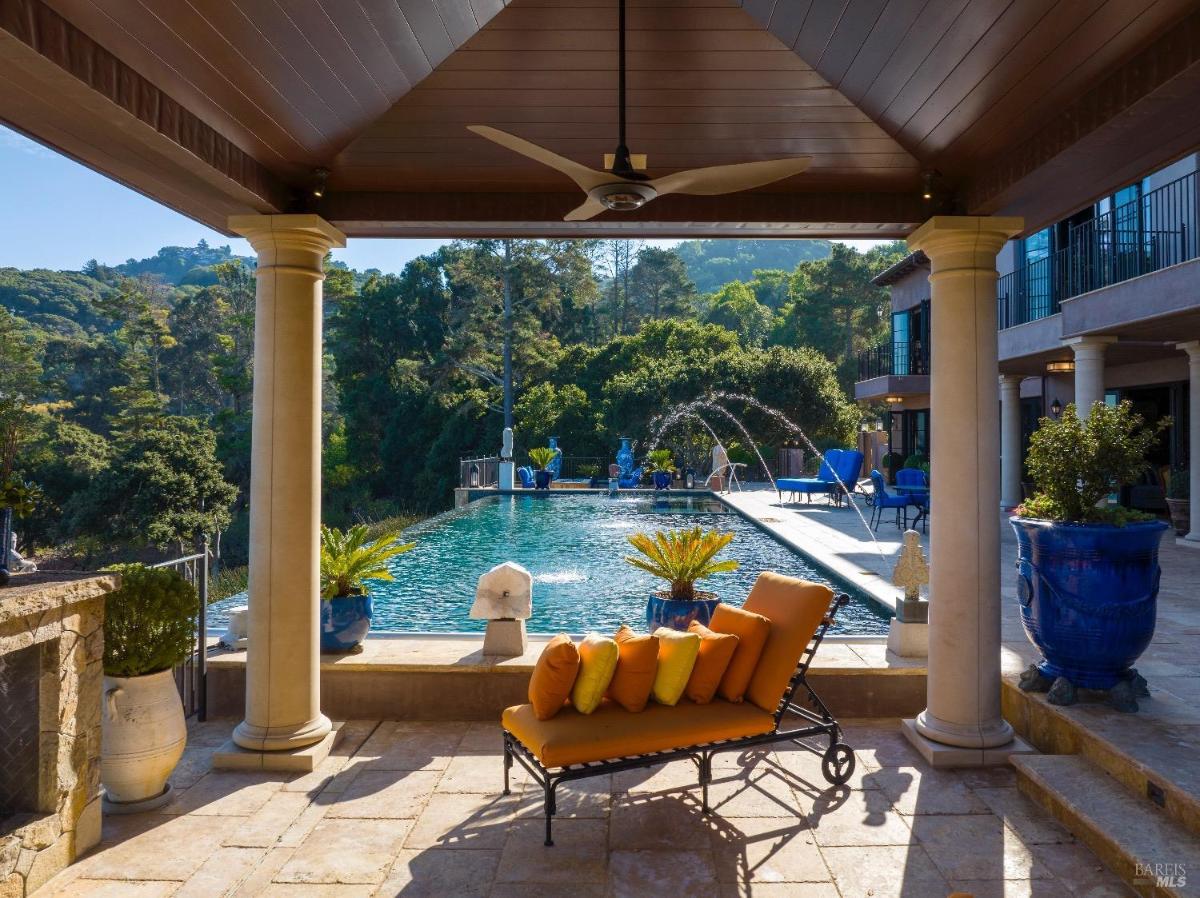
(542, 457)
(892, 462)
(1088, 573)
(348, 560)
(592, 473)
(1179, 495)
(681, 557)
(661, 465)
(149, 628)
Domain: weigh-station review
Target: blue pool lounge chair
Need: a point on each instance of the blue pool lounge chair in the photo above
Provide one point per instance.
(839, 465)
(847, 467)
(883, 499)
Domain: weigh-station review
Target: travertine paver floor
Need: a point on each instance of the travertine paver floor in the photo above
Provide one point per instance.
(414, 809)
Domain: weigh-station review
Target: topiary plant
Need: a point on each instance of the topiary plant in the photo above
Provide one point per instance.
(149, 621)
(1075, 464)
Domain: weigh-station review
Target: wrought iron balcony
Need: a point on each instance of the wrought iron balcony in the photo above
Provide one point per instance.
(1144, 235)
(894, 358)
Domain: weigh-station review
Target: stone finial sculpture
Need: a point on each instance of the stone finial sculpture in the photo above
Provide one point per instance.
(506, 444)
(504, 598)
(912, 570)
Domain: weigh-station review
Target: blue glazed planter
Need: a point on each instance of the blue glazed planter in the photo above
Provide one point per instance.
(345, 622)
(662, 480)
(1089, 596)
(662, 611)
(542, 479)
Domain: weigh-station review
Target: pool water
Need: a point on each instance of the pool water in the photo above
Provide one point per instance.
(574, 547)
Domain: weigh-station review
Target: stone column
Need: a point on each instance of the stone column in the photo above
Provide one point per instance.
(283, 674)
(1010, 441)
(1193, 350)
(1089, 371)
(963, 691)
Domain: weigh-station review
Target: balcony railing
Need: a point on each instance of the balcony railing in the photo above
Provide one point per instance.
(898, 358)
(1152, 232)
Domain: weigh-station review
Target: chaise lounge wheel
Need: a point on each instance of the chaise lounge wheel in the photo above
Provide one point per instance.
(837, 764)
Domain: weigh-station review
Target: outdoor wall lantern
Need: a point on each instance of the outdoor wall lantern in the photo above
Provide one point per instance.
(1056, 407)
(1063, 366)
(689, 479)
(893, 400)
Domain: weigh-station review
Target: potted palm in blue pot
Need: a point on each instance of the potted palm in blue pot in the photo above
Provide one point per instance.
(661, 465)
(348, 561)
(681, 557)
(542, 457)
(1088, 571)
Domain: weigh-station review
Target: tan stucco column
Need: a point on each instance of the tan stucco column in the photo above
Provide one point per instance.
(1010, 441)
(963, 691)
(283, 687)
(1192, 348)
(1089, 371)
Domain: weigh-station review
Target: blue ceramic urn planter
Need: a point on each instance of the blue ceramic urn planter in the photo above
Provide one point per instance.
(663, 611)
(542, 479)
(345, 622)
(1088, 595)
(662, 480)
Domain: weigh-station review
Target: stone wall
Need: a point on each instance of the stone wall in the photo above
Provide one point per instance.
(64, 616)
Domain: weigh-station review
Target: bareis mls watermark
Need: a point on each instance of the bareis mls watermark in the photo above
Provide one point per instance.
(1166, 876)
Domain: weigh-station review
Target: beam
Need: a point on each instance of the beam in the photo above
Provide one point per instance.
(863, 215)
(61, 88)
(1140, 117)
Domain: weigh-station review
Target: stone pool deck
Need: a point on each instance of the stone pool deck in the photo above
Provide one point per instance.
(414, 809)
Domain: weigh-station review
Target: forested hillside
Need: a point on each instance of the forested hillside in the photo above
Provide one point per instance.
(125, 390)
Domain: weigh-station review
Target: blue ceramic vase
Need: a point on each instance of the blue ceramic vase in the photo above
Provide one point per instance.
(542, 479)
(345, 622)
(1089, 596)
(663, 611)
(662, 480)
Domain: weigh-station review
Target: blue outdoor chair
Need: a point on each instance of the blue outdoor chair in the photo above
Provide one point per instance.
(847, 467)
(883, 499)
(526, 475)
(915, 477)
(822, 484)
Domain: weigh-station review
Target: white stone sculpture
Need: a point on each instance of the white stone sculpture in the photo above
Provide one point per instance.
(912, 570)
(504, 598)
(235, 636)
(18, 564)
(908, 634)
(506, 444)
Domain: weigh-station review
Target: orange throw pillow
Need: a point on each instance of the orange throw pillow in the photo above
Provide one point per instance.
(752, 631)
(636, 666)
(553, 676)
(716, 651)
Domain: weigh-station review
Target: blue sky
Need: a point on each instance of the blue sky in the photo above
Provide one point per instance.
(58, 214)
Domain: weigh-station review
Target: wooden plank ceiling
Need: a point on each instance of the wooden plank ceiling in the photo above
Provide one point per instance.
(876, 91)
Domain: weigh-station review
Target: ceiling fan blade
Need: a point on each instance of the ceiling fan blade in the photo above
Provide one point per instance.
(589, 209)
(585, 177)
(718, 179)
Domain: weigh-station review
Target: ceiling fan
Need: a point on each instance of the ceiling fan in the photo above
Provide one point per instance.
(622, 188)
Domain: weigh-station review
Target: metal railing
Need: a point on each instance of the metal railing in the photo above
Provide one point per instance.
(583, 467)
(191, 677)
(479, 472)
(898, 358)
(1152, 232)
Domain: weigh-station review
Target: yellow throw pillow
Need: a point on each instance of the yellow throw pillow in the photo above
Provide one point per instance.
(597, 664)
(676, 657)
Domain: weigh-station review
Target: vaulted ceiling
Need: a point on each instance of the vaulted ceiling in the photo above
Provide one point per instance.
(216, 107)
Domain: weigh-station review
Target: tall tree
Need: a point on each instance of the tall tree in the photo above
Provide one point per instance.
(660, 284)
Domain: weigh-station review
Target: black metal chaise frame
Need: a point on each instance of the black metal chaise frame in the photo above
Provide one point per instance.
(837, 761)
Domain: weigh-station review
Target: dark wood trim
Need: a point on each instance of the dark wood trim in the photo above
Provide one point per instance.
(865, 215)
(58, 42)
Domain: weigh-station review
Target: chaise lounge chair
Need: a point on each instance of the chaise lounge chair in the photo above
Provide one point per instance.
(838, 474)
(572, 746)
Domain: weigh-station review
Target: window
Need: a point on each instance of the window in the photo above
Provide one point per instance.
(1036, 250)
(900, 343)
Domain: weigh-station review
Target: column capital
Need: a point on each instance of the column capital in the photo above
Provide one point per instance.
(983, 233)
(1192, 348)
(1089, 340)
(287, 232)
(1011, 380)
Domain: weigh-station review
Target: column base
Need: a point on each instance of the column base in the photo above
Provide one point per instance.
(1191, 541)
(304, 759)
(987, 734)
(259, 738)
(938, 755)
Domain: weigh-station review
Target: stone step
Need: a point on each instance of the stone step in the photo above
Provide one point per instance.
(1153, 753)
(1157, 856)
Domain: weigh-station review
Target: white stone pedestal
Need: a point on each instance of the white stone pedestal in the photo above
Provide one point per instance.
(908, 640)
(505, 637)
(506, 473)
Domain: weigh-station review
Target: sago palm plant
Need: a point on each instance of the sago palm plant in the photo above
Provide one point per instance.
(348, 559)
(660, 460)
(681, 557)
(541, 456)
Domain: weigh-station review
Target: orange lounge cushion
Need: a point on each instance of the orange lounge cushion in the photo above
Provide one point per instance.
(716, 651)
(612, 732)
(637, 663)
(795, 609)
(553, 676)
(752, 631)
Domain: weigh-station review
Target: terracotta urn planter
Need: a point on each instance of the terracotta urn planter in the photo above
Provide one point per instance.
(144, 734)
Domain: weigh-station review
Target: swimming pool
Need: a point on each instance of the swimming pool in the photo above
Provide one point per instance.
(573, 546)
